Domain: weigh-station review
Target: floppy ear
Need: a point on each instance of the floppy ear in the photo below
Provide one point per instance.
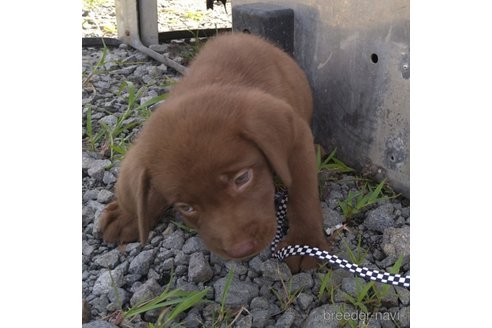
(151, 204)
(280, 134)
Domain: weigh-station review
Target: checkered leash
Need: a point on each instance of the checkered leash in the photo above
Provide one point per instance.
(281, 200)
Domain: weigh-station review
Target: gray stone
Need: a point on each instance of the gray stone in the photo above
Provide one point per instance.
(330, 217)
(156, 240)
(404, 317)
(140, 71)
(305, 300)
(385, 321)
(180, 258)
(236, 266)
(260, 317)
(301, 281)
(108, 178)
(90, 195)
(99, 304)
(104, 196)
(174, 240)
(109, 120)
(403, 295)
(286, 319)
(192, 245)
(105, 281)
(108, 260)
(167, 265)
(387, 262)
(275, 270)
(95, 206)
(87, 215)
(380, 218)
(141, 263)
(389, 299)
(352, 285)
(87, 249)
(400, 222)
(118, 296)
(329, 316)
(97, 167)
(396, 241)
(199, 269)
(145, 292)
(160, 48)
(131, 247)
(255, 264)
(181, 270)
(373, 323)
(87, 160)
(245, 322)
(333, 198)
(193, 319)
(99, 324)
(240, 293)
(259, 302)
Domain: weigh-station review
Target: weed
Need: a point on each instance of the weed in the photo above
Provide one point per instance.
(330, 163)
(286, 296)
(360, 199)
(115, 141)
(91, 139)
(172, 302)
(184, 228)
(369, 296)
(99, 67)
(359, 255)
(326, 287)
(223, 314)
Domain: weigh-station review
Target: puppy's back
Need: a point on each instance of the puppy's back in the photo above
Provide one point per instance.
(249, 61)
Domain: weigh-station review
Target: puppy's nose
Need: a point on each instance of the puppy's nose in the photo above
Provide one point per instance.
(242, 249)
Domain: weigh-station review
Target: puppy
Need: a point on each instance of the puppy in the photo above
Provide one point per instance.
(239, 116)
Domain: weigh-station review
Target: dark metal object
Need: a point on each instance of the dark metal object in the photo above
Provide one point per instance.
(356, 55)
(275, 23)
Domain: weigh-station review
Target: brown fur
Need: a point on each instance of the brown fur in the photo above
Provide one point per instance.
(244, 105)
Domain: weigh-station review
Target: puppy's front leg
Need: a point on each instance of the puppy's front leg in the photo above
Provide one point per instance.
(304, 210)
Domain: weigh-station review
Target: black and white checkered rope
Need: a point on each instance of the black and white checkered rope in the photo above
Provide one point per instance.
(304, 250)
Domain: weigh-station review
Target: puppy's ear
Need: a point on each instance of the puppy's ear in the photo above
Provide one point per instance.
(279, 133)
(142, 200)
(151, 205)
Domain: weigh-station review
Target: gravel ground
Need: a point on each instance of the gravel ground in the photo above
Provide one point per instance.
(118, 278)
(98, 18)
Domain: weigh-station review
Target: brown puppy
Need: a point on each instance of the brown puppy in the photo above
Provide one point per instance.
(240, 114)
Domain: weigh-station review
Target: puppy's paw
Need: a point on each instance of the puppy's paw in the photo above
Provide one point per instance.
(117, 226)
(303, 263)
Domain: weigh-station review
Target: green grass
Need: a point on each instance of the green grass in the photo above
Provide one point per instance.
(286, 296)
(224, 316)
(326, 288)
(359, 200)
(92, 138)
(98, 68)
(171, 303)
(369, 295)
(183, 227)
(116, 139)
(359, 255)
(330, 162)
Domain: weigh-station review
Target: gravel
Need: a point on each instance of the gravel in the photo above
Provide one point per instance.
(115, 278)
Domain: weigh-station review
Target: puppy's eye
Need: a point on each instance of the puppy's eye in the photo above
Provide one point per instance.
(185, 208)
(243, 177)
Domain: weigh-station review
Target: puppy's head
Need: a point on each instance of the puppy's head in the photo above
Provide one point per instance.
(212, 155)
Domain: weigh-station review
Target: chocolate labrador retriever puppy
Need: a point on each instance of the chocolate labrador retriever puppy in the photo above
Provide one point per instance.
(240, 115)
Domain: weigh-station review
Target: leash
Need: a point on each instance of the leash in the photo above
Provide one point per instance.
(281, 200)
